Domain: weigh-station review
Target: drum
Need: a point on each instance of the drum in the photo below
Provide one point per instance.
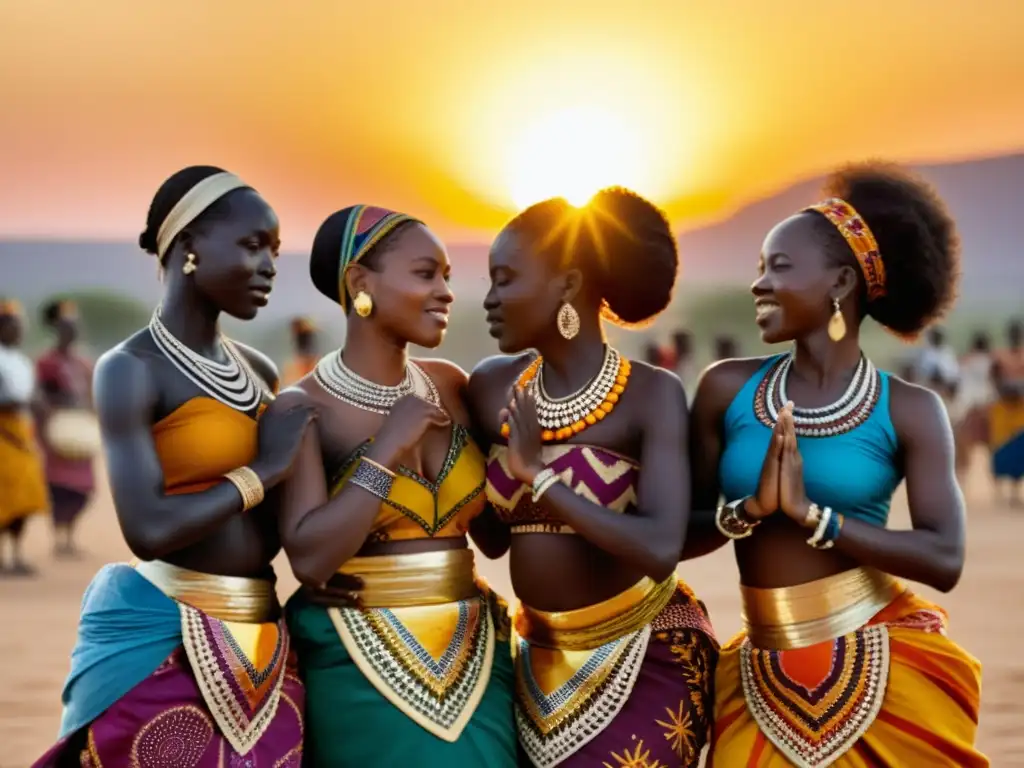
(74, 434)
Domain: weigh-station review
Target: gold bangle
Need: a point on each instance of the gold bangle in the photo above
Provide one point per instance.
(249, 486)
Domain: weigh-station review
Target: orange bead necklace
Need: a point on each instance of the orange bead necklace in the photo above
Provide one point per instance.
(561, 418)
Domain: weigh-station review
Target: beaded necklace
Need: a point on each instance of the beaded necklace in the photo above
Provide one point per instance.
(561, 418)
(848, 412)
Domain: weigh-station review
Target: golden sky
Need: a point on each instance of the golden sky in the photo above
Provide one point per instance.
(451, 109)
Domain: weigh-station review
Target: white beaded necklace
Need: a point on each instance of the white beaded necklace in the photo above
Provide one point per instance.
(232, 383)
(342, 382)
(557, 413)
(849, 411)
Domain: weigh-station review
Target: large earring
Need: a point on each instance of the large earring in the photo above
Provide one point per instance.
(836, 323)
(363, 304)
(568, 321)
(190, 264)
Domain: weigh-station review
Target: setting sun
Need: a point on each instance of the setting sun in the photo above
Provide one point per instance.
(573, 153)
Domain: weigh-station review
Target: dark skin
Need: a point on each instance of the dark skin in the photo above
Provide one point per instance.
(408, 283)
(794, 295)
(136, 386)
(613, 551)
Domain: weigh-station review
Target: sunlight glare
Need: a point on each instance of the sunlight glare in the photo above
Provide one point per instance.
(573, 153)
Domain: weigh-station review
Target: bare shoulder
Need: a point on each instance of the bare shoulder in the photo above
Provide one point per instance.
(292, 396)
(917, 412)
(262, 365)
(658, 384)
(445, 373)
(721, 381)
(499, 370)
(124, 387)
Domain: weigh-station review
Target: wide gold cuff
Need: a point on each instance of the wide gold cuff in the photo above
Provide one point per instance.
(425, 578)
(228, 598)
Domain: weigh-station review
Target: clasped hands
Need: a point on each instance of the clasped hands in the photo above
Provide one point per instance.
(781, 486)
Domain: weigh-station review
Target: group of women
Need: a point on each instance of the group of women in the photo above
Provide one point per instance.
(48, 467)
(375, 469)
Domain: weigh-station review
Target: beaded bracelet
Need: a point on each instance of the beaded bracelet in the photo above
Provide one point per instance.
(730, 523)
(542, 483)
(373, 478)
(818, 538)
(832, 530)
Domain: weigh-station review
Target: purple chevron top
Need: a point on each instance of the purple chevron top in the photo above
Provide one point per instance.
(603, 476)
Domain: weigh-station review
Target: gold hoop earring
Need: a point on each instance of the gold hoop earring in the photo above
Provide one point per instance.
(568, 321)
(190, 264)
(836, 323)
(363, 304)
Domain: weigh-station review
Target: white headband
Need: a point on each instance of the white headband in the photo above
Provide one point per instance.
(194, 202)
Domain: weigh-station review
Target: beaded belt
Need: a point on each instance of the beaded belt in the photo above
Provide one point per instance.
(787, 618)
(227, 598)
(595, 625)
(425, 578)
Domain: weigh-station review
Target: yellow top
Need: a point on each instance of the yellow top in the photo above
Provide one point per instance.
(419, 509)
(200, 441)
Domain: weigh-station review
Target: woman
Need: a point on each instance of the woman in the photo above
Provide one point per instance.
(304, 355)
(183, 657)
(975, 395)
(839, 663)
(418, 671)
(1006, 417)
(22, 484)
(68, 429)
(614, 655)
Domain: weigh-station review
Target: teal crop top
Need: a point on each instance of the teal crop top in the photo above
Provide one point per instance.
(855, 472)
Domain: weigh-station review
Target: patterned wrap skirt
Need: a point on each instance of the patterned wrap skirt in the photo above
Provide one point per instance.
(420, 674)
(157, 681)
(626, 682)
(853, 670)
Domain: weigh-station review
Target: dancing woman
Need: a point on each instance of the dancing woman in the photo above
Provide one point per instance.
(614, 655)
(65, 383)
(22, 483)
(183, 657)
(418, 671)
(839, 663)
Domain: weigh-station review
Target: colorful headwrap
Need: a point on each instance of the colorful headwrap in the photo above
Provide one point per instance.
(194, 202)
(365, 226)
(10, 308)
(858, 236)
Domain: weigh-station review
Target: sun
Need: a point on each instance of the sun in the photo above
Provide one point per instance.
(573, 153)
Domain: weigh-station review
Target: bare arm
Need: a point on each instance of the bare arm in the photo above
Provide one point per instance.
(154, 524)
(651, 539)
(933, 551)
(491, 536)
(718, 386)
(320, 534)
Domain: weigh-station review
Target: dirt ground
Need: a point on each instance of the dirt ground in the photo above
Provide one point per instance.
(39, 619)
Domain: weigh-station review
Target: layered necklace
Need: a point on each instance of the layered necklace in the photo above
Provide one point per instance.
(232, 383)
(562, 417)
(848, 412)
(348, 386)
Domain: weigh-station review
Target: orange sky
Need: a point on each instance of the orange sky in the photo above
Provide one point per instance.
(415, 104)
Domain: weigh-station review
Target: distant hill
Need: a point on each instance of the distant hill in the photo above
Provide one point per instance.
(984, 195)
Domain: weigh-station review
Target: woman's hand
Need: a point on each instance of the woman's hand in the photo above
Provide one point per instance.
(524, 443)
(793, 499)
(765, 500)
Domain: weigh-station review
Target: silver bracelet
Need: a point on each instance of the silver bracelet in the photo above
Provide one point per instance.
(729, 523)
(373, 478)
(543, 480)
(819, 531)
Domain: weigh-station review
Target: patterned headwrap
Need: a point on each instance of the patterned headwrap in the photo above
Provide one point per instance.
(858, 236)
(365, 226)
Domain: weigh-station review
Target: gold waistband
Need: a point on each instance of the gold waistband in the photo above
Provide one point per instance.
(594, 625)
(796, 617)
(425, 578)
(228, 598)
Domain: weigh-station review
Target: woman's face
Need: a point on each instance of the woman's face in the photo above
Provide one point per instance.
(11, 330)
(792, 294)
(236, 255)
(411, 295)
(523, 301)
